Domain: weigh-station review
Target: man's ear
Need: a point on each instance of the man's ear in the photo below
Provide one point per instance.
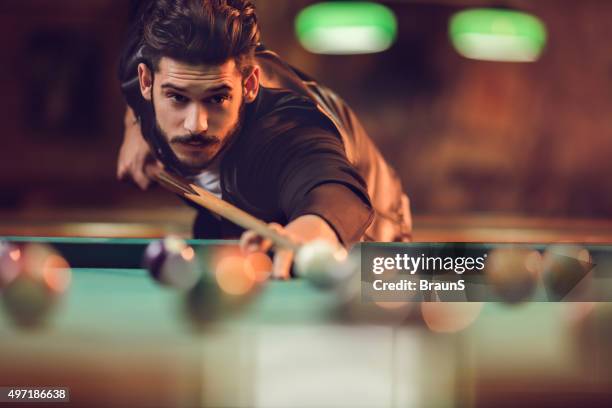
(251, 85)
(146, 81)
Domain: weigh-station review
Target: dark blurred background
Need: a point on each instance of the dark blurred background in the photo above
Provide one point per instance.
(467, 137)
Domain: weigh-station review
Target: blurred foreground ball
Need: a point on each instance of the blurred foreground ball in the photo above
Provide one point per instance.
(202, 303)
(172, 262)
(351, 308)
(231, 280)
(450, 317)
(513, 273)
(566, 270)
(44, 276)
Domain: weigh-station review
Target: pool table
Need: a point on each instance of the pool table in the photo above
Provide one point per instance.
(120, 339)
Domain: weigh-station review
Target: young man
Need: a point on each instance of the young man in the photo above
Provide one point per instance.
(208, 102)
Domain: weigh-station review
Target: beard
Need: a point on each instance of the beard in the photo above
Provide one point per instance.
(204, 148)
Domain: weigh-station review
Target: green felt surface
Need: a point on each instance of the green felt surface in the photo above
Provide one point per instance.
(120, 297)
(127, 302)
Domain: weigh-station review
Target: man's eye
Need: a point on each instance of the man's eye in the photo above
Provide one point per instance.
(218, 99)
(177, 98)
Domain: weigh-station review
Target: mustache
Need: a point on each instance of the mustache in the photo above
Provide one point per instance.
(195, 138)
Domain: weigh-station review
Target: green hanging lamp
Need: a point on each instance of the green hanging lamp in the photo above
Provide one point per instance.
(497, 35)
(346, 27)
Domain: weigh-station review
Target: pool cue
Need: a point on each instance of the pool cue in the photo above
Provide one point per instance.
(222, 208)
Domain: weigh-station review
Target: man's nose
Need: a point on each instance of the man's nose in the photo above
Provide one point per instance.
(197, 120)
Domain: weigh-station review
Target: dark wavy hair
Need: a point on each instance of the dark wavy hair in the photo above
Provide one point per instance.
(200, 31)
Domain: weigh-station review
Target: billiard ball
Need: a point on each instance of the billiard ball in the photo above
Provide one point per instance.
(450, 317)
(513, 273)
(321, 264)
(172, 263)
(565, 272)
(33, 294)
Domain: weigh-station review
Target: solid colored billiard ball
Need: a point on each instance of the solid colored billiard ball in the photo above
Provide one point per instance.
(172, 262)
(33, 293)
(321, 264)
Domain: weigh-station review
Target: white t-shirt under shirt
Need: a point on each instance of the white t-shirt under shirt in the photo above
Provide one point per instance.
(209, 181)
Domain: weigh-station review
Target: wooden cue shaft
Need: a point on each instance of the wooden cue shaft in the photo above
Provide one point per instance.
(223, 208)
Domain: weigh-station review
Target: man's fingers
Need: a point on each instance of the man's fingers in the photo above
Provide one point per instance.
(283, 257)
(250, 241)
(138, 177)
(141, 180)
(281, 266)
(278, 228)
(137, 171)
(152, 169)
(121, 172)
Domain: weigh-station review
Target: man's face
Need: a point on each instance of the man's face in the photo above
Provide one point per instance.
(197, 107)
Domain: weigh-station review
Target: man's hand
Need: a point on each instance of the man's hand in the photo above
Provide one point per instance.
(135, 161)
(301, 230)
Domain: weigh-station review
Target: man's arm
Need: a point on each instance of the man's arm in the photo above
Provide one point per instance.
(319, 191)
